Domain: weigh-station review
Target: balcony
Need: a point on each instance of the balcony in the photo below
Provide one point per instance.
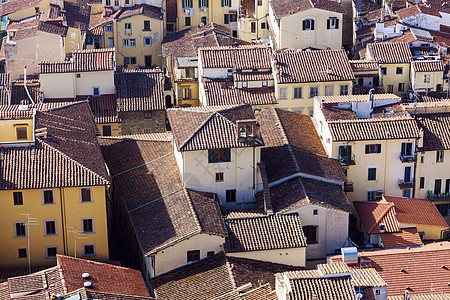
(347, 160)
(405, 184)
(437, 197)
(407, 158)
(348, 186)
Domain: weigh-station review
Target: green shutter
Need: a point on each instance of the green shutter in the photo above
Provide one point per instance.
(183, 5)
(367, 149)
(337, 24)
(378, 148)
(328, 27)
(227, 154)
(223, 4)
(312, 24)
(210, 156)
(199, 3)
(207, 3)
(229, 3)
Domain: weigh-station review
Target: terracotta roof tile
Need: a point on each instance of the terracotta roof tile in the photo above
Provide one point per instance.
(416, 211)
(262, 292)
(5, 85)
(366, 277)
(436, 129)
(421, 297)
(53, 28)
(206, 279)
(139, 9)
(390, 53)
(408, 11)
(16, 5)
(407, 237)
(358, 65)
(373, 214)
(357, 98)
(282, 8)
(246, 234)
(210, 127)
(140, 90)
(112, 296)
(20, 96)
(222, 92)
(333, 288)
(333, 268)
(104, 109)
(428, 66)
(248, 213)
(312, 66)
(240, 57)
(77, 15)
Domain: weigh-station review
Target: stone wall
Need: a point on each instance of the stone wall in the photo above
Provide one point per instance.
(135, 122)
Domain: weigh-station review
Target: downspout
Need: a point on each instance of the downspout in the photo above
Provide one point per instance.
(254, 173)
(63, 221)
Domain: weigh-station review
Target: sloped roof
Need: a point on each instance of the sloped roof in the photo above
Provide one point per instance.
(209, 127)
(312, 66)
(162, 211)
(104, 109)
(140, 90)
(241, 57)
(77, 15)
(373, 214)
(70, 156)
(406, 237)
(139, 9)
(5, 84)
(16, 5)
(367, 277)
(436, 131)
(390, 53)
(282, 8)
(279, 232)
(428, 66)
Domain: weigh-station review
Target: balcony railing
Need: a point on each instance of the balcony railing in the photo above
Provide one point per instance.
(405, 184)
(407, 158)
(347, 160)
(348, 186)
(441, 196)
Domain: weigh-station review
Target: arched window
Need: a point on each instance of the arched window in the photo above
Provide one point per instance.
(310, 234)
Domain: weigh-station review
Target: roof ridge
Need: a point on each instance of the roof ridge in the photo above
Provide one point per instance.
(285, 138)
(399, 118)
(196, 130)
(194, 213)
(390, 205)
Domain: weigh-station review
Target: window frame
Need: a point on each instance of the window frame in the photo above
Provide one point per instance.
(405, 148)
(328, 89)
(306, 233)
(51, 247)
(192, 256)
(19, 136)
(108, 28)
(55, 227)
(92, 225)
(25, 229)
(343, 89)
(332, 23)
(439, 156)
(89, 254)
(90, 194)
(94, 91)
(19, 199)
(187, 21)
(308, 24)
(219, 155)
(298, 92)
(283, 90)
(422, 182)
(311, 88)
(19, 252)
(371, 195)
(219, 177)
(103, 130)
(147, 28)
(383, 70)
(145, 41)
(399, 70)
(426, 78)
(110, 42)
(373, 148)
(53, 196)
(230, 196)
(368, 174)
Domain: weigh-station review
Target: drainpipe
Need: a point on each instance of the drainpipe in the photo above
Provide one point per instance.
(63, 223)
(254, 173)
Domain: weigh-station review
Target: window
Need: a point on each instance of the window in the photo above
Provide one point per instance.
(187, 21)
(383, 70)
(343, 90)
(333, 23)
(87, 225)
(226, 3)
(226, 19)
(129, 60)
(203, 20)
(421, 159)
(297, 92)
(50, 252)
(313, 91)
(447, 186)
(407, 175)
(48, 197)
(443, 209)
(308, 24)
(78, 75)
(110, 42)
(234, 33)
(377, 292)
(245, 84)
(187, 93)
(18, 198)
(86, 194)
(147, 41)
(260, 3)
(345, 154)
(147, 114)
(187, 3)
(148, 60)
(264, 83)
(311, 112)
(129, 42)
(253, 27)
(127, 26)
(203, 3)
(50, 227)
(21, 229)
(440, 156)
(22, 253)
(437, 186)
(193, 256)
(329, 90)
(315, 212)
(310, 234)
(95, 91)
(406, 193)
(390, 88)
(371, 195)
(230, 195)
(88, 249)
(147, 25)
(422, 183)
(283, 93)
(233, 18)
(373, 148)
(407, 149)
(89, 40)
(219, 155)
(219, 177)
(401, 87)
(372, 174)
(106, 130)
(399, 70)
(116, 3)
(263, 25)
(21, 133)
(210, 254)
(108, 2)
(426, 78)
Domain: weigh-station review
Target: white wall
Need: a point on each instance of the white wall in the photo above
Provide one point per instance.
(292, 256)
(424, 21)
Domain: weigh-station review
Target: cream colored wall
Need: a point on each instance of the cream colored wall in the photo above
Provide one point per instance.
(291, 256)
(292, 35)
(306, 103)
(8, 130)
(435, 79)
(431, 170)
(29, 12)
(431, 232)
(115, 128)
(58, 85)
(102, 79)
(394, 79)
(67, 207)
(176, 255)
(198, 174)
(74, 40)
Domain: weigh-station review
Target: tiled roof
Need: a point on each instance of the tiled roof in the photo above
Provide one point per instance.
(362, 65)
(222, 92)
(139, 9)
(140, 90)
(365, 6)
(408, 11)
(390, 53)
(373, 214)
(252, 76)
(394, 111)
(357, 98)
(406, 237)
(312, 66)
(436, 131)
(428, 66)
(367, 277)
(421, 8)
(210, 127)
(413, 268)
(333, 268)
(162, 211)
(16, 5)
(240, 57)
(262, 292)
(282, 8)
(422, 297)
(104, 109)
(416, 211)
(69, 157)
(256, 272)
(104, 277)
(112, 296)
(206, 279)
(19, 94)
(245, 234)
(95, 19)
(374, 129)
(247, 213)
(53, 28)
(82, 61)
(185, 43)
(5, 85)
(77, 15)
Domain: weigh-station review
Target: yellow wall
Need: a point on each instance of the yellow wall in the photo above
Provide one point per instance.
(431, 170)
(305, 104)
(392, 78)
(29, 12)
(73, 41)
(67, 211)
(292, 256)
(435, 79)
(193, 85)
(8, 130)
(115, 128)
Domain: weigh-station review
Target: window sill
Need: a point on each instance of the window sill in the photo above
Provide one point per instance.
(146, 30)
(51, 234)
(86, 201)
(90, 232)
(48, 203)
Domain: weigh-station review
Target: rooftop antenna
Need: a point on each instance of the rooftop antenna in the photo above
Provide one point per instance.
(30, 222)
(78, 235)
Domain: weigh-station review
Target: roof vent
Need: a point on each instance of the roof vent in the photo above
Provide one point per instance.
(23, 107)
(87, 284)
(85, 275)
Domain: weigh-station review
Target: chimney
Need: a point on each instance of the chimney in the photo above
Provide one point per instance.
(247, 130)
